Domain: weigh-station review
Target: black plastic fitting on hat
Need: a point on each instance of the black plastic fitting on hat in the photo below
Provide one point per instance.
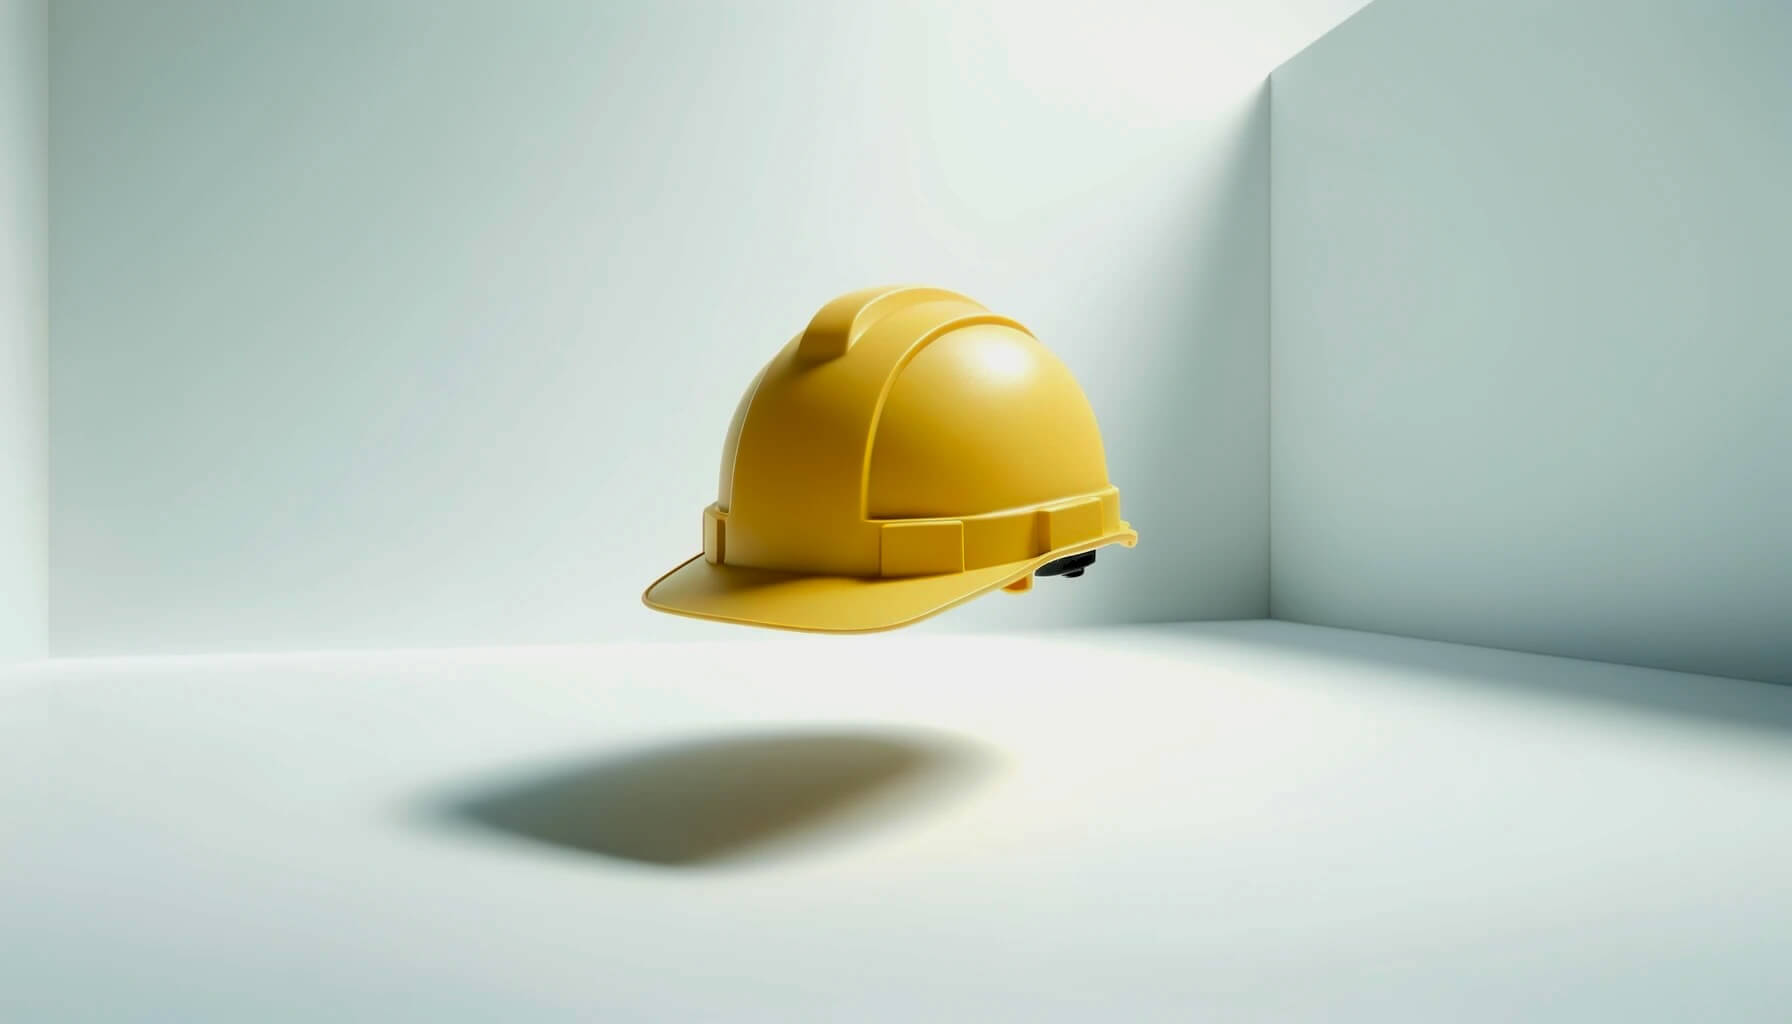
(1069, 567)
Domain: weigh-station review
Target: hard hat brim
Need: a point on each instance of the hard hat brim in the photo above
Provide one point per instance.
(834, 604)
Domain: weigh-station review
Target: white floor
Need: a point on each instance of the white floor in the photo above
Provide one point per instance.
(1248, 821)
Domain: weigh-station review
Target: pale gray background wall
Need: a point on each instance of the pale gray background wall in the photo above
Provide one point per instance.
(406, 323)
(24, 471)
(1532, 329)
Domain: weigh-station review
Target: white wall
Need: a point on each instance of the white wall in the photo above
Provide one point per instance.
(24, 470)
(416, 324)
(1532, 329)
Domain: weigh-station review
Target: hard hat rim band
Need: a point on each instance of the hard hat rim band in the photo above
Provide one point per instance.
(931, 545)
(837, 604)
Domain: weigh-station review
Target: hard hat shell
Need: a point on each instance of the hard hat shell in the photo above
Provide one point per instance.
(906, 452)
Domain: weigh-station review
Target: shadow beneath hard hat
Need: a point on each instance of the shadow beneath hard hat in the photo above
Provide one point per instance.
(706, 801)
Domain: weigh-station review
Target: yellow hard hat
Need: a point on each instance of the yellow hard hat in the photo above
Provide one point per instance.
(906, 452)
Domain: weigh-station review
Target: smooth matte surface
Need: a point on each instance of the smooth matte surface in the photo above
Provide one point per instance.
(1530, 329)
(1257, 821)
(24, 358)
(406, 323)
